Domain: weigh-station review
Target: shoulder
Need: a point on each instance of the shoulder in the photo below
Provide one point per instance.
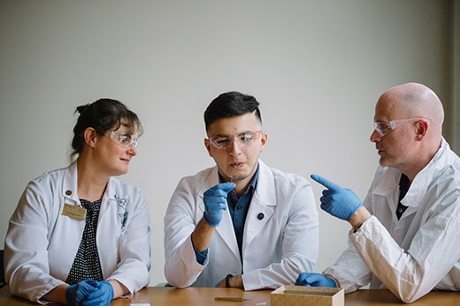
(49, 178)
(288, 191)
(443, 170)
(445, 163)
(450, 164)
(283, 181)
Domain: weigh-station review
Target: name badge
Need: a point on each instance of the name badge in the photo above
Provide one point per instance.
(74, 211)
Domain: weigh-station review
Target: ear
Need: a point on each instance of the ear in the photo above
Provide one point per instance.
(421, 129)
(207, 144)
(90, 136)
(264, 139)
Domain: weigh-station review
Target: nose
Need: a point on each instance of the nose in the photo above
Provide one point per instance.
(132, 150)
(234, 148)
(375, 136)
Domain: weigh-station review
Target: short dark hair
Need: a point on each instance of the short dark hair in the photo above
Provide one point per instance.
(103, 115)
(230, 104)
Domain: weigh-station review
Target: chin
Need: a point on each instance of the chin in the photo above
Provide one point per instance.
(240, 177)
(387, 163)
(120, 172)
(383, 162)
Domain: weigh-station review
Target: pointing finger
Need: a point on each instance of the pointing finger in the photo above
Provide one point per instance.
(227, 187)
(325, 182)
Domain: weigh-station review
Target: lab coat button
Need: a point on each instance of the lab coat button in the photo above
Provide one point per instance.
(260, 216)
(68, 192)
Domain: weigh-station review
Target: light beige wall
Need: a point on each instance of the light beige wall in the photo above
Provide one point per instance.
(317, 67)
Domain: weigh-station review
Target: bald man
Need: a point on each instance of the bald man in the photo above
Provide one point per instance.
(405, 237)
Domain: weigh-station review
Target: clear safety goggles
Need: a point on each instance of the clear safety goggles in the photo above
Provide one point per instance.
(123, 139)
(384, 128)
(243, 139)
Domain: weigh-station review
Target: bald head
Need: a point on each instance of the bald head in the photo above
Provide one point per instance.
(413, 100)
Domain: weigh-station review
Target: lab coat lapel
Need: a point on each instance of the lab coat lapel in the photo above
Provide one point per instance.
(226, 231)
(225, 228)
(258, 215)
(112, 200)
(262, 205)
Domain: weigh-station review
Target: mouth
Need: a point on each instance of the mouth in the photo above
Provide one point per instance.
(237, 165)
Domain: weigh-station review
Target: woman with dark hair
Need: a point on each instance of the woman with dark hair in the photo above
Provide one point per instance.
(79, 236)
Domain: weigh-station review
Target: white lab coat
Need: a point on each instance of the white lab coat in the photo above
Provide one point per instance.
(41, 244)
(417, 253)
(275, 249)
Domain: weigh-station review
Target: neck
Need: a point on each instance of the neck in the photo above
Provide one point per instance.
(424, 157)
(90, 184)
(241, 187)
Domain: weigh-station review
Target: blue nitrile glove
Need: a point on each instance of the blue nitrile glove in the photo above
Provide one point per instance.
(101, 297)
(315, 280)
(339, 202)
(215, 201)
(77, 293)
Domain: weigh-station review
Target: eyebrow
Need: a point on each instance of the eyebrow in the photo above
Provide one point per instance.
(226, 135)
(130, 135)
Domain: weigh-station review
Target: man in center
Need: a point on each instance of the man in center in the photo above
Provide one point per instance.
(240, 223)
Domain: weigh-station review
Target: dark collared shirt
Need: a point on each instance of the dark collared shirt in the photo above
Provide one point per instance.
(238, 208)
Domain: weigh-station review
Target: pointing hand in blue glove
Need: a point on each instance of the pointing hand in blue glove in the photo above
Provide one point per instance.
(77, 293)
(339, 202)
(315, 280)
(100, 297)
(215, 201)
